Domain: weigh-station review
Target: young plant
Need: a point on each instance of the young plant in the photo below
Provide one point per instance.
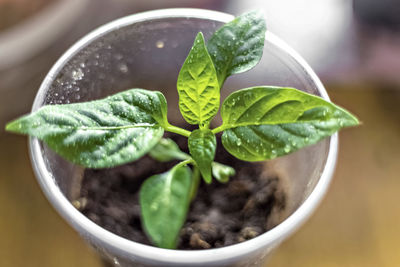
(259, 123)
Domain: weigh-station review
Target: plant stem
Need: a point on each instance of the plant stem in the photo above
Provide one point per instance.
(177, 130)
(183, 163)
(195, 183)
(218, 129)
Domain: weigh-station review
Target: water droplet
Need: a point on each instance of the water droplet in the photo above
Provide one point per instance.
(77, 74)
(123, 67)
(238, 142)
(116, 262)
(159, 44)
(83, 64)
(287, 149)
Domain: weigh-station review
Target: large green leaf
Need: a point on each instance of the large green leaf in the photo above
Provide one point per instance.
(198, 85)
(167, 150)
(202, 145)
(164, 202)
(102, 133)
(238, 45)
(265, 122)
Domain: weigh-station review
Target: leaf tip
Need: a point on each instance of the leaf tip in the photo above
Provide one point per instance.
(257, 16)
(351, 120)
(207, 177)
(255, 13)
(199, 39)
(13, 126)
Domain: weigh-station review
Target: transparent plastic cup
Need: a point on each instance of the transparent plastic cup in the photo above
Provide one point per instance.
(146, 50)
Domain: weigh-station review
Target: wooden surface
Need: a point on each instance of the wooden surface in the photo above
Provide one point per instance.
(358, 223)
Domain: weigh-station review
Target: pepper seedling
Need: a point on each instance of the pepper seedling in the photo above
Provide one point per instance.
(259, 123)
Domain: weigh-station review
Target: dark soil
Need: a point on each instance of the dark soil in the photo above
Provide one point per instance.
(221, 215)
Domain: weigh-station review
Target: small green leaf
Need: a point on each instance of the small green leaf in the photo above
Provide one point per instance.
(164, 202)
(167, 150)
(102, 133)
(238, 45)
(198, 85)
(202, 145)
(266, 122)
(222, 172)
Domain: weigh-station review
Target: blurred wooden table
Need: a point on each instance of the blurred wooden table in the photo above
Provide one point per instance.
(358, 223)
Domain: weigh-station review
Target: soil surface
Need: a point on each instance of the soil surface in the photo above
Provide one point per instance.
(221, 214)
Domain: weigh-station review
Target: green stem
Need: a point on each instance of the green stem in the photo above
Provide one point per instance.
(195, 177)
(184, 163)
(218, 129)
(177, 130)
(195, 183)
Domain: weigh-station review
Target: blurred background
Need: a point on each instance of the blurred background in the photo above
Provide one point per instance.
(354, 46)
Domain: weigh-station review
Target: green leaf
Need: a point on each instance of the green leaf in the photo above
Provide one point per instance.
(266, 122)
(198, 85)
(202, 145)
(222, 172)
(102, 133)
(164, 201)
(167, 150)
(238, 45)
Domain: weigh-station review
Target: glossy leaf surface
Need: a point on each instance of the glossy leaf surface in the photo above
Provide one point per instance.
(265, 122)
(164, 201)
(102, 133)
(198, 85)
(238, 45)
(202, 145)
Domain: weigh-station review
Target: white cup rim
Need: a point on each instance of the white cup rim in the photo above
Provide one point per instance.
(122, 246)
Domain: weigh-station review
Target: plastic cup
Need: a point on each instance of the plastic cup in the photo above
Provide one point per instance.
(146, 50)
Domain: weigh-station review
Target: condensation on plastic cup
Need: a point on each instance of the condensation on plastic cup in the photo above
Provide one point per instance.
(126, 252)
